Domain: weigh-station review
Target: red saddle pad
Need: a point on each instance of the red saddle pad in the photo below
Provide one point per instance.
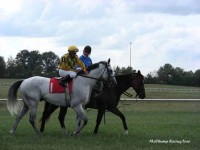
(55, 87)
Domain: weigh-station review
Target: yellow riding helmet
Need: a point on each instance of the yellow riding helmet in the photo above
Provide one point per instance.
(73, 48)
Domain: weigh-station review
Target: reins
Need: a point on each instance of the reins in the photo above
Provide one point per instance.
(130, 95)
(92, 78)
(98, 79)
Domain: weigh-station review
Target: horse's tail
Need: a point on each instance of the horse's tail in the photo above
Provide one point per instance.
(13, 104)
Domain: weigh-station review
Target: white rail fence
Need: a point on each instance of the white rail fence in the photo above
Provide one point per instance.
(181, 90)
(146, 100)
(173, 90)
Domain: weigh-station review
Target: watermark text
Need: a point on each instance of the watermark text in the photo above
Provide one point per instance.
(169, 141)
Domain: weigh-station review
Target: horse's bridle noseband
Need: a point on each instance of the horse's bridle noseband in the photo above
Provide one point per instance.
(138, 90)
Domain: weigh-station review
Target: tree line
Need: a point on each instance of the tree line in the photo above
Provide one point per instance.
(168, 74)
(31, 63)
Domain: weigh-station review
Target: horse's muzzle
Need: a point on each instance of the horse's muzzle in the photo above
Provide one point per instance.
(142, 94)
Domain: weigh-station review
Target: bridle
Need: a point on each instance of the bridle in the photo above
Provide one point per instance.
(138, 89)
(101, 77)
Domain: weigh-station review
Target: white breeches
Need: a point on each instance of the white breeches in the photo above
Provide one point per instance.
(64, 73)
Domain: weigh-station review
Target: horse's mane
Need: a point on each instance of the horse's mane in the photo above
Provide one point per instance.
(94, 66)
(124, 75)
(128, 76)
(121, 77)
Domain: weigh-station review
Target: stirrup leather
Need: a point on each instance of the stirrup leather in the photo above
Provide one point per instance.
(67, 96)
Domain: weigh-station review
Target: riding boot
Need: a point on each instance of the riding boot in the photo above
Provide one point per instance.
(64, 80)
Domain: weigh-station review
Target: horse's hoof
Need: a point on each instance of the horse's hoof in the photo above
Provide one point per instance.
(126, 132)
(39, 134)
(74, 133)
(71, 134)
(64, 131)
(12, 131)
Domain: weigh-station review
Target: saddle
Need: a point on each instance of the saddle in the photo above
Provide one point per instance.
(55, 88)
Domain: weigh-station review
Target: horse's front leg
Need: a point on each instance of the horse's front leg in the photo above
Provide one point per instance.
(48, 110)
(78, 121)
(43, 119)
(117, 112)
(98, 120)
(81, 117)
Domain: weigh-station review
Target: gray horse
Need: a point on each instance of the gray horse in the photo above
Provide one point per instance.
(36, 88)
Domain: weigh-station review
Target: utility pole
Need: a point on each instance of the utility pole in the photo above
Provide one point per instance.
(130, 53)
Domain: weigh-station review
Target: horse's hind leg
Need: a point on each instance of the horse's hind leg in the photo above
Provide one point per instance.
(19, 117)
(32, 119)
(117, 112)
(80, 113)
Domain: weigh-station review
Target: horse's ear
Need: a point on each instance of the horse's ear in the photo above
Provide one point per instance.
(109, 61)
(139, 72)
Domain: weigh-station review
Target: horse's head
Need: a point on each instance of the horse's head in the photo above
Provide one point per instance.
(107, 74)
(137, 82)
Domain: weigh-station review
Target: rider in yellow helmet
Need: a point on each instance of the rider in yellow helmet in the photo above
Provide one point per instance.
(68, 63)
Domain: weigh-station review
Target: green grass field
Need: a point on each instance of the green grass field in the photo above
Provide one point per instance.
(152, 125)
(147, 122)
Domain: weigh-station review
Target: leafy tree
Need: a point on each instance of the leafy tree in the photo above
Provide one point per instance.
(11, 65)
(2, 66)
(49, 62)
(22, 59)
(34, 60)
(177, 76)
(197, 77)
(31, 63)
(165, 73)
(151, 77)
(130, 70)
(188, 78)
(19, 71)
(117, 70)
(123, 70)
(37, 71)
(127, 70)
(28, 60)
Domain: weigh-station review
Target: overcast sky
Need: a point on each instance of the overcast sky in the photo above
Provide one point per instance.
(161, 31)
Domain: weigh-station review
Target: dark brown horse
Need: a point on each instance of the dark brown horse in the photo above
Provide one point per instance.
(107, 100)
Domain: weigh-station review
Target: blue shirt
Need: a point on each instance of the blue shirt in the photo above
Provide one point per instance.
(86, 60)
